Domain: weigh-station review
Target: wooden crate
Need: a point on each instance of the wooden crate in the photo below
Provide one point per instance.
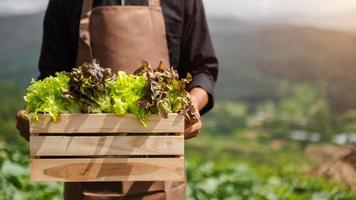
(105, 147)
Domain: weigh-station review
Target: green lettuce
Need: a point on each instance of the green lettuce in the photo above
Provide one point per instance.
(46, 96)
(125, 91)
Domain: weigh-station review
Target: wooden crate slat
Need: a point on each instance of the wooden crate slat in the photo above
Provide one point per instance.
(110, 169)
(106, 145)
(106, 123)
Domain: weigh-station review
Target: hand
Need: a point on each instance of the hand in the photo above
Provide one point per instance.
(193, 128)
(22, 124)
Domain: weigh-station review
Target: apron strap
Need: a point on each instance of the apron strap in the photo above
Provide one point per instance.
(156, 3)
(87, 6)
(84, 49)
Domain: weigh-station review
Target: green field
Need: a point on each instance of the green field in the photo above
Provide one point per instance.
(245, 168)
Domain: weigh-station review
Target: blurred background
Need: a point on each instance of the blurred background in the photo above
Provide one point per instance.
(284, 124)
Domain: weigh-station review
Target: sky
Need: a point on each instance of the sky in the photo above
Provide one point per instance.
(20, 7)
(327, 13)
(277, 8)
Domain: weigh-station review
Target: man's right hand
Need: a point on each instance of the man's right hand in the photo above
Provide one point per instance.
(22, 125)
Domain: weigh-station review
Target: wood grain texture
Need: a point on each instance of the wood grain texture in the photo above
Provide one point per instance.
(106, 123)
(106, 145)
(87, 170)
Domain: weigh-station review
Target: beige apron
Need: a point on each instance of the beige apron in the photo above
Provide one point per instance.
(120, 37)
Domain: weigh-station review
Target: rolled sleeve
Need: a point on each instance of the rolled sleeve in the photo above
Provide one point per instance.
(206, 82)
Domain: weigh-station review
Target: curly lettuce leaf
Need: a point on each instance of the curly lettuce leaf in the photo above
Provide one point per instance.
(125, 92)
(88, 86)
(165, 93)
(46, 96)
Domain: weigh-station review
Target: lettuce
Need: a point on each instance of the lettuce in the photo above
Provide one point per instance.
(88, 87)
(165, 93)
(93, 89)
(125, 92)
(46, 96)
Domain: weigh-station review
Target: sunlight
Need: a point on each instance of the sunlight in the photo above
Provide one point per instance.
(329, 14)
(272, 8)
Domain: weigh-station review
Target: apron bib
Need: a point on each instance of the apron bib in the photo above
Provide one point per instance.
(120, 37)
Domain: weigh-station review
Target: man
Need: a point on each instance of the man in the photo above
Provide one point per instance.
(120, 34)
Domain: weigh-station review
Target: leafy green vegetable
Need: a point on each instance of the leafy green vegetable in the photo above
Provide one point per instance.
(125, 91)
(46, 96)
(93, 89)
(165, 93)
(88, 86)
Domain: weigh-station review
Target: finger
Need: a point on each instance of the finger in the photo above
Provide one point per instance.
(191, 135)
(20, 114)
(192, 132)
(193, 127)
(22, 120)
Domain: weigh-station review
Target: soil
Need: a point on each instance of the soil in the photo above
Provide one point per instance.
(338, 164)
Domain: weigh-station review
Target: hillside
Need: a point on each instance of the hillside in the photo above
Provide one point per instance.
(257, 61)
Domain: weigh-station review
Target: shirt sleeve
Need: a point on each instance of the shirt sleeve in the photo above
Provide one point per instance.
(198, 57)
(55, 55)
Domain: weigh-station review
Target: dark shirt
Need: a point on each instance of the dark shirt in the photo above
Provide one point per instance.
(189, 43)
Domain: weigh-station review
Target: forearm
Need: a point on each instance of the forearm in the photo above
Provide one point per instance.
(199, 97)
